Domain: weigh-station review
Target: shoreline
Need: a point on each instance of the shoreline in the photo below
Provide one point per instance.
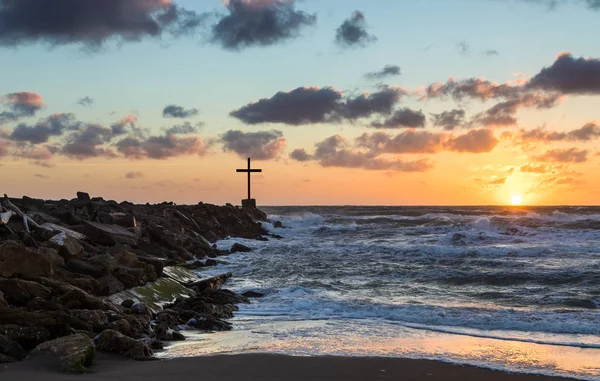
(267, 367)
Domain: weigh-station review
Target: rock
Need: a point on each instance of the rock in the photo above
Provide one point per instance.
(136, 326)
(75, 353)
(86, 283)
(105, 262)
(253, 294)
(79, 299)
(57, 323)
(84, 267)
(11, 348)
(18, 291)
(26, 337)
(3, 302)
(127, 303)
(39, 304)
(110, 285)
(238, 247)
(109, 235)
(209, 324)
(202, 306)
(6, 359)
(114, 342)
(157, 263)
(66, 246)
(83, 196)
(52, 256)
(163, 332)
(124, 220)
(96, 318)
(17, 260)
(141, 309)
(153, 343)
(278, 225)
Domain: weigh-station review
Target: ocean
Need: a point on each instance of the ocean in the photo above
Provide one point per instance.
(511, 288)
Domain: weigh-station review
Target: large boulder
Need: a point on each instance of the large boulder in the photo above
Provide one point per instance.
(84, 267)
(238, 247)
(79, 299)
(109, 235)
(18, 291)
(110, 285)
(52, 256)
(105, 262)
(3, 302)
(136, 326)
(114, 342)
(26, 337)
(75, 353)
(66, 246)
(209, 324)
(18, 261)
(11, 348)
(58, 323)
(96, 318)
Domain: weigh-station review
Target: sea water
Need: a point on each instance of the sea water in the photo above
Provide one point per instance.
(516, 289)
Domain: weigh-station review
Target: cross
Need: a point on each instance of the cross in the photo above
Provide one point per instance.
(249, 171)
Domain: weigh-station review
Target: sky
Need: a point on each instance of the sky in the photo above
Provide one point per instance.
(381, 102)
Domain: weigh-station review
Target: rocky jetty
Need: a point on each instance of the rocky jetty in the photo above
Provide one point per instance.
(85, 275)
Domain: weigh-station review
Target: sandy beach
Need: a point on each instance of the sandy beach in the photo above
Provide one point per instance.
(262, 367)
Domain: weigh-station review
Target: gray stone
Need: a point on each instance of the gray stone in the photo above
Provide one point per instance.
(114, 342)
(17, 260)
(75, 353)
(109, 235)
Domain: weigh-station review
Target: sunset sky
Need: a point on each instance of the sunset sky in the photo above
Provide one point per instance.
(339, 102)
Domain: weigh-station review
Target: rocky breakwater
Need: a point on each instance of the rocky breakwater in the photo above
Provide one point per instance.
(85, 275)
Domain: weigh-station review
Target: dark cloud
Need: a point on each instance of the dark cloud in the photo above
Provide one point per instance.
(43, 130)
(262, 145)
(474, 141)
(134, 175)
(87, 142)
(403, 118)
(588, 132)
(449, 120)
(127, 122)
(300, 155)
(173, 111)
(161, 147)
(85, 101)
(503, 114)
(309, 105)
(568, 155)
(20, 105)
(387, 71)
(491, 53)
(463, 48)
(353, 32)
(259, 23)
(407, 142)
(90, 22)
(475, 88)
(336, 152)
(183, 129)
(569, 75)
(36, 152)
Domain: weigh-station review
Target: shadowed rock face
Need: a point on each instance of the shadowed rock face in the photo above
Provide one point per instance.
(90, 268)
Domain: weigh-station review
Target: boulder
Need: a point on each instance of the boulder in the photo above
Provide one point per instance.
(164, 333)
(96, 318)
(136, 326)
(6, 359)
(52, 256)
(109, 235)
(79, 299)
(66, 246)
(278, 225)
(18, 291)
(84, 267)
(253, 294)
(3, 302)
(26, 337)
(39, 304)
(11, 348)
(209, 324)
(17, 260)
(238, 247)
(110, 285)
(105, 262)
(57, 323)
(83, 196)
(75, 353)
(114, 342)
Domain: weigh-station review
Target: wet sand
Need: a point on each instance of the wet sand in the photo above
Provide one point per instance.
(261, 367)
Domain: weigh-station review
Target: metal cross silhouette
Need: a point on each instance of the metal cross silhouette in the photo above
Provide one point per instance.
(249, 171)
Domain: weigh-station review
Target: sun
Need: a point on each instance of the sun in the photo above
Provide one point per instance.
(516, 199)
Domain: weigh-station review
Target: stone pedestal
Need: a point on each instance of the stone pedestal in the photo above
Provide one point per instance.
(249, 203)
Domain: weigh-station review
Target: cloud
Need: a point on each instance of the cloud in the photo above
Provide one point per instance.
(336, 152)
(37, 153)
(449, 120)
(503, 114)
(407, 142)
(262, 145)
(403, 118)
(535, 168)
(491, 53)
(184, 129)
(43, 164)
(91, 22)
(259, 23)
(134, 175)
(43, 130)
(587, 132)
(310, 105)
(173, 111)
(161, 147)
(86, 142)
(463, 48)
(21, 105)
(474, 141)
(569, 75)
(85, 101)
(120, 127)
(568, 155)
(474, 88)
(353, 32)
(387, 71)
(300, 155)
(497, 181)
